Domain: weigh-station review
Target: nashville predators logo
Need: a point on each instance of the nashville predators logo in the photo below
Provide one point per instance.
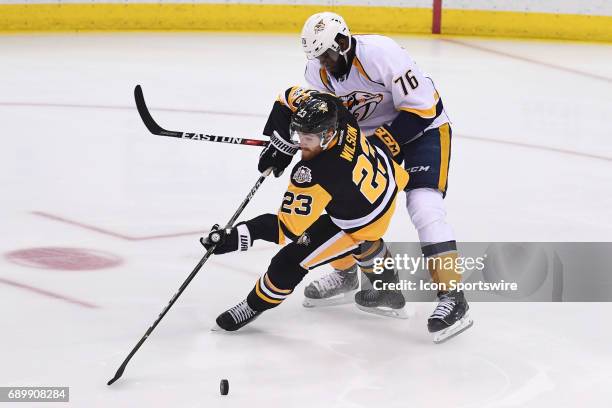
(320, 26)
(361, 104)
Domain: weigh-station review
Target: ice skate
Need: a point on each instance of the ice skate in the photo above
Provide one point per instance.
(335, 288)
(389, 303)
(450, 317)
(236, 317)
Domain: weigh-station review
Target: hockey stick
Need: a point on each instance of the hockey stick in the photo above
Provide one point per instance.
(158, 130)
(229, 224)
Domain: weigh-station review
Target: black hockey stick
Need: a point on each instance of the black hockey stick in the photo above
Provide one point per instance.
(230, 223)
(158, 130)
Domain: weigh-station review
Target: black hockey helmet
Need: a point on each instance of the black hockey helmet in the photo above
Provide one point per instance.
(315, 116)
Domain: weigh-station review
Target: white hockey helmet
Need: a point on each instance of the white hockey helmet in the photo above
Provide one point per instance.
(320, 31)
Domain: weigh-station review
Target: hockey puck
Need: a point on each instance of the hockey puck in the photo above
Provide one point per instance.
(224, 387)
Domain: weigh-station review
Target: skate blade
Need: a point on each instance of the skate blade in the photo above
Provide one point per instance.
(459, 327)
(341, 299)
(217, 328)
(403, 313)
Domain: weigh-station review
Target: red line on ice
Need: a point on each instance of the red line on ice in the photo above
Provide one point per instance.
(537, 147)
(112, 233)
(529, 60)
(483, 139)
(48, 293)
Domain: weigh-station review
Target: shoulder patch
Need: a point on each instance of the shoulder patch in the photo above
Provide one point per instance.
(302, 175)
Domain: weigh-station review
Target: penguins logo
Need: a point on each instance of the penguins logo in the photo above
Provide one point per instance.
(361, 104)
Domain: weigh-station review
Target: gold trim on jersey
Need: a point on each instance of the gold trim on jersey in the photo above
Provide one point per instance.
(424, 113)
(337, 245)
(444, 155)
(357, 64)
(325, 80)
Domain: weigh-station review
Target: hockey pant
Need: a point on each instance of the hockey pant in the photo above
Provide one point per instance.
(321, 243)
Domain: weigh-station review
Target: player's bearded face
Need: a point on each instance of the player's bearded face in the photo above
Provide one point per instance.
(310, 143)
(332, 61)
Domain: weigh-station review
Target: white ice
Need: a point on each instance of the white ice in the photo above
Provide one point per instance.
(531, 161)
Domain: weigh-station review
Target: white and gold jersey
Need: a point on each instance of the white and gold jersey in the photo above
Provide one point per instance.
(382, 81)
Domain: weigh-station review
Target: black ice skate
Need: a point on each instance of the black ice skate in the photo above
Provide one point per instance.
(335, 288)
(450, 317)
(236, 317)
(389, 303)
(382, 301)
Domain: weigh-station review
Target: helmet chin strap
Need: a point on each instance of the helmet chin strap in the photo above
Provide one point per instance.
(325, 144)
(345, 52)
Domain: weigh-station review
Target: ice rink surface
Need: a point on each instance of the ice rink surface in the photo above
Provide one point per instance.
(531, 161)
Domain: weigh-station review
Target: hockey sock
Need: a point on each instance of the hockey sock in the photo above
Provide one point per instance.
(343, 264)
(265, 295)
(442, 262)
(371, 261)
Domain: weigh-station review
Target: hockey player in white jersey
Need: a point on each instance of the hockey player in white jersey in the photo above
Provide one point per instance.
(393, 101)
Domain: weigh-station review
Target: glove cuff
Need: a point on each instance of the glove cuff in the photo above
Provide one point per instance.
(283, 145)
(244, 237)
(384, 134)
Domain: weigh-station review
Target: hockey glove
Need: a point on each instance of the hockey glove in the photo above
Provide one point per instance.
(228, 240)
(384, 134)
(277, 154)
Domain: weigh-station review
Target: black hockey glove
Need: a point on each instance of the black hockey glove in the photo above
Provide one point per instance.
(277, 154)
(228, 240)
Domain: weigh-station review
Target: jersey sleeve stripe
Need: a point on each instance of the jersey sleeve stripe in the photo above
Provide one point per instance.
(425, 113)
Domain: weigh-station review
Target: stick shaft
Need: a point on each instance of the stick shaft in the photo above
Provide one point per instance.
(192, 275)
(154, 128)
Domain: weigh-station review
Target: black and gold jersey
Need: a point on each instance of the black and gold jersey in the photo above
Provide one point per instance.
(354, 180)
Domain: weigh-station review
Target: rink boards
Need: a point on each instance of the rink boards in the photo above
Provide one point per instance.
(568, 19)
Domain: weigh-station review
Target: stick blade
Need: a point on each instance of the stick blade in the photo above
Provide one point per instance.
(117, 376)
(143, 111)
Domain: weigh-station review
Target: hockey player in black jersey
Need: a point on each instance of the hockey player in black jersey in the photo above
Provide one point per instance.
(354, 180)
